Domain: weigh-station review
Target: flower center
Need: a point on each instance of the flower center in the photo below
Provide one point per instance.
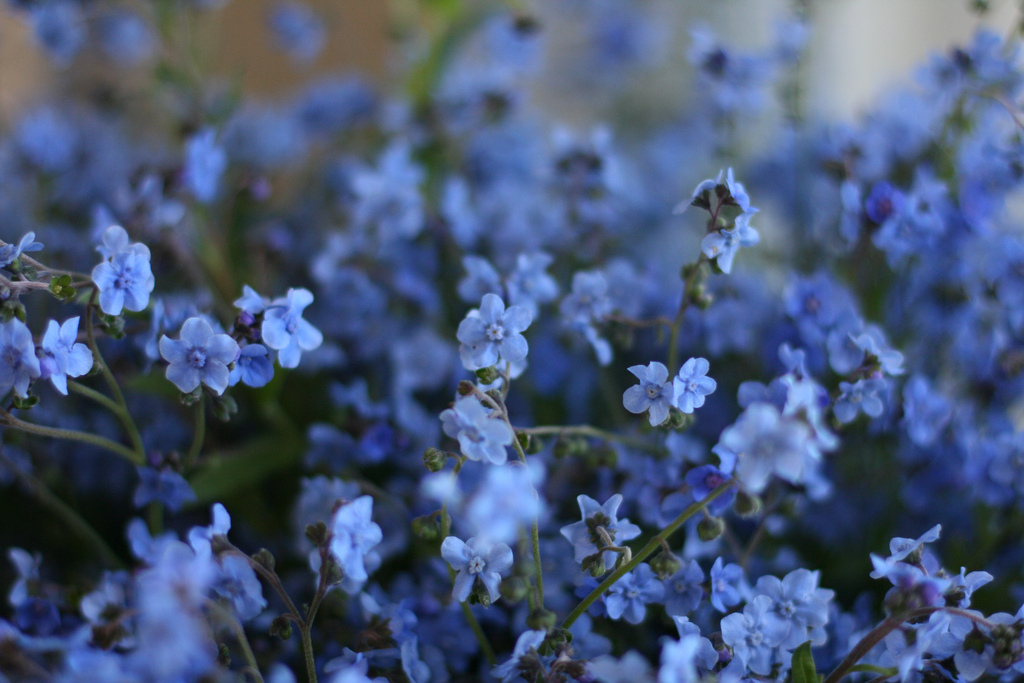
(495, 332)
(476, 565)
(197, 358)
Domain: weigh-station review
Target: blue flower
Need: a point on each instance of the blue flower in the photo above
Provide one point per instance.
(584, 535)
(753, 637)
(199, 356)
(477, 558)
(63, 356)
(164, 485)
(59, 29)
(285, 330)
(861, 397)
(705, 479)
(527, 642)
(253, 368)
(685, 589)
(10, 252)
(629, 596)
(725, 585)
(298, 31)
(654, 392)
(491, 333)
(480, 436)
(353, 534)
(205, 162)
(798, 604)
(723, 243)
(505, 502)
(18, 362)
(126, 279)
(692, 384)
(766, 443)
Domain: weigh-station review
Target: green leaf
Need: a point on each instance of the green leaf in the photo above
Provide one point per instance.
(803, 669)
(872, 668)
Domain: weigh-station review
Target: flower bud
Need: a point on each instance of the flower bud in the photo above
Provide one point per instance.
(488, 374)
(281, 627)
(747, 504)
(434, 459)
(514, 589)
(265, 559)
(427, 527)
(710, 528)
(542, 619)
(665, 564)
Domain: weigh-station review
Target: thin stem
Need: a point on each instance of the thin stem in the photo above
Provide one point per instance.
(538, 569)
(687, 299)
(644, 552)
(485, 645)
(198, 434)
(229, 619)
(75, 523)
(115, 388)
(94, 395)
(587, 430)
(56, 433)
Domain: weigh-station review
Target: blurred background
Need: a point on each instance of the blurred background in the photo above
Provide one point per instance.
(858, 47)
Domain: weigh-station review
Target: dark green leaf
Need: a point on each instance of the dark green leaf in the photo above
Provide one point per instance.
(803, 669)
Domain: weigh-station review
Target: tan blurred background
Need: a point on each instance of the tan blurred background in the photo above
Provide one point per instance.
(858, 48)
(242, 45)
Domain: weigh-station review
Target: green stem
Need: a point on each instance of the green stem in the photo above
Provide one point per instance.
(94, 395)
(70, 434)
(75, 523)
(115, 389)
(485, 646)
(231, 622)
(587, 430)
(651, 546)
(538, 569)
(198, 435)
(677, 323)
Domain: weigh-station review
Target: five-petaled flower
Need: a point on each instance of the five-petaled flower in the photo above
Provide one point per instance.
(654, 393)
(285, 330)
(63, 356)
(125, 278)
(480, 436)
(492, 332)
(199, 356)
(477, 558)
(18, 362)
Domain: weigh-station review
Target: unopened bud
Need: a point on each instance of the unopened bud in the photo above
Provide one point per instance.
(665, 564)
(265, 559)
(434, 459)
(542, 619)
(514, 589)
(710, 528)
(747, 504)
(488, 374)
(427, 527)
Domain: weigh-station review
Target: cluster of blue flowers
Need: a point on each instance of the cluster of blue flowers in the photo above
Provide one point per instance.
(475, 316)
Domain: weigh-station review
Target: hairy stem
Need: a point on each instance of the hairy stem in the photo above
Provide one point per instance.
(644, 552)
(56, 433)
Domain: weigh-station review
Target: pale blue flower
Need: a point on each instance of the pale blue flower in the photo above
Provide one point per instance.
(126, 279)
(18, 362)
(527, 642)
(753, 637)
(723, 243)
(692, 384)
(583, 534)
(10, 252)
(491, 333)
(477, 558)
(285, 330)
(654, 392)
(480, 436)
(353, 534)
(199, 356)
(63, 355)
(205, 161)
(253, 368)
(629, 596)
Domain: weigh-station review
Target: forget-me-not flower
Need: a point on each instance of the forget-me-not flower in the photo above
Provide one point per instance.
(353, 533)
(199, 356)
(585, 537)
(125, 279)
(723, 243)
(474, 559)
(10, 252)
(480, 436)
(493, 332)
(692, 384)
(18, 362)
(63, 355)
(285, 330)
(654, 392)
